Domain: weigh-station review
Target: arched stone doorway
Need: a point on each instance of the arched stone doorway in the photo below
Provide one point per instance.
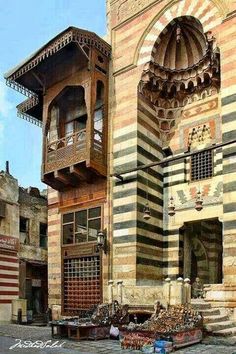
(202, 250)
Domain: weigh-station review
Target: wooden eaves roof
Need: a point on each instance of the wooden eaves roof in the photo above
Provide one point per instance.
(31, 109)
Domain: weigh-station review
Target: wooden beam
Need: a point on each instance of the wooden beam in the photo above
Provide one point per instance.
(80, 173)
(64, 178)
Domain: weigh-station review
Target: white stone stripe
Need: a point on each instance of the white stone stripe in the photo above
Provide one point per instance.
(9, 288)
(180, 8)
(143, 60)
(201, 9)
(212, 24)
(189, 11)
(10, 272)
(8, 297)
(9, 264)
(159, 26)
(146, 49)
(151, 37)
(7, 280)
(168, 15)
(208, 15)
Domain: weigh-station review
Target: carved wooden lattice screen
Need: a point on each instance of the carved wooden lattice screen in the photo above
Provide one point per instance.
(81, 283)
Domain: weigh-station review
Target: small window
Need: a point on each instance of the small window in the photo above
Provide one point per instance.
(24, 230)
(43, 241)
(201, 165)
(81, 226)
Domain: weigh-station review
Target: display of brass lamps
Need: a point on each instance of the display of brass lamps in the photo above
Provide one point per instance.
(171, 207)
(146, 210)
(199, 201)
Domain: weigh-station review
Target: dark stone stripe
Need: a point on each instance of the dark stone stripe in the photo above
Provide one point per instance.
(125, 224)
(124, 208)
(148, 155)
(230, 168)
(149, 184)
(137, 223)
(175, 183)
(229, 225)
(229, 151)
(218, 162)
(229, 208)
(231, 135)
(151, 242)
(147, 114)
(148, 227)
(171, 232)
(229, 187)
(124, 239)
(174, 173)
(136, 206)
(125, 193)
(125, 137)
(150, 142)
(150, 262)
(124, 152)
(227, 118)
(229, 99)
(151, 197)
(127, 166)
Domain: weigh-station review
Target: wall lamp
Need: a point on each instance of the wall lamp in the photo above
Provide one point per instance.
(102, 241)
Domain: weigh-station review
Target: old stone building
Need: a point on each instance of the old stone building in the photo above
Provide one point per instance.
(159, 139)
(23, 248)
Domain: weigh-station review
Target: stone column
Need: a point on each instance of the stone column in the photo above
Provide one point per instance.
(187, 291)
(110, 291)
(120, 291)
(176, 294)
(166, 291)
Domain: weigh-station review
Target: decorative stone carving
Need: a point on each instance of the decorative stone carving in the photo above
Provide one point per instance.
(128, 8)
(199, 135)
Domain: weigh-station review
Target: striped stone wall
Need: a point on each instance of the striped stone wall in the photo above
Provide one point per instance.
(149, 233)
(135, 141)
(228, 96)
(54, 249)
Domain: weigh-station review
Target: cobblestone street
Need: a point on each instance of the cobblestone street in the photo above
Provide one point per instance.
(9, 333)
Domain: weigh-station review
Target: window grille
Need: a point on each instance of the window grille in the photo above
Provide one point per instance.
(201, 165)
(82, 289)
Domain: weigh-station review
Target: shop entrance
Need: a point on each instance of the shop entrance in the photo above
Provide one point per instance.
(202, 251)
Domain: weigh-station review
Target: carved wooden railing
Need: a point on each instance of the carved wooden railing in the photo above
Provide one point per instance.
(72, 149)
(66, 151)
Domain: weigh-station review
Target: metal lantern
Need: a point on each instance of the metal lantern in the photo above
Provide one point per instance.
(146, 212)
(171, 207)
(101, 241)
(199, 201)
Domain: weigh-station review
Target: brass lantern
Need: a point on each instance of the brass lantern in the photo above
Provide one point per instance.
(171, 207)
(146, 212)
(101, 241)
(199, 201)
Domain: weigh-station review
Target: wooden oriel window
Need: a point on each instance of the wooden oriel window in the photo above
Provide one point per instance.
(81, 226)
(201, 165)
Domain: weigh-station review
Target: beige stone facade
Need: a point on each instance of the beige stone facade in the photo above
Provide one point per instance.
(23, 252)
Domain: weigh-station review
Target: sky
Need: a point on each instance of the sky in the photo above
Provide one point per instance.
(26, 25)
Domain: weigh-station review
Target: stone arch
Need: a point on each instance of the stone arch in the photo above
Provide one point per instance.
(202, 259)
(210, 14)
